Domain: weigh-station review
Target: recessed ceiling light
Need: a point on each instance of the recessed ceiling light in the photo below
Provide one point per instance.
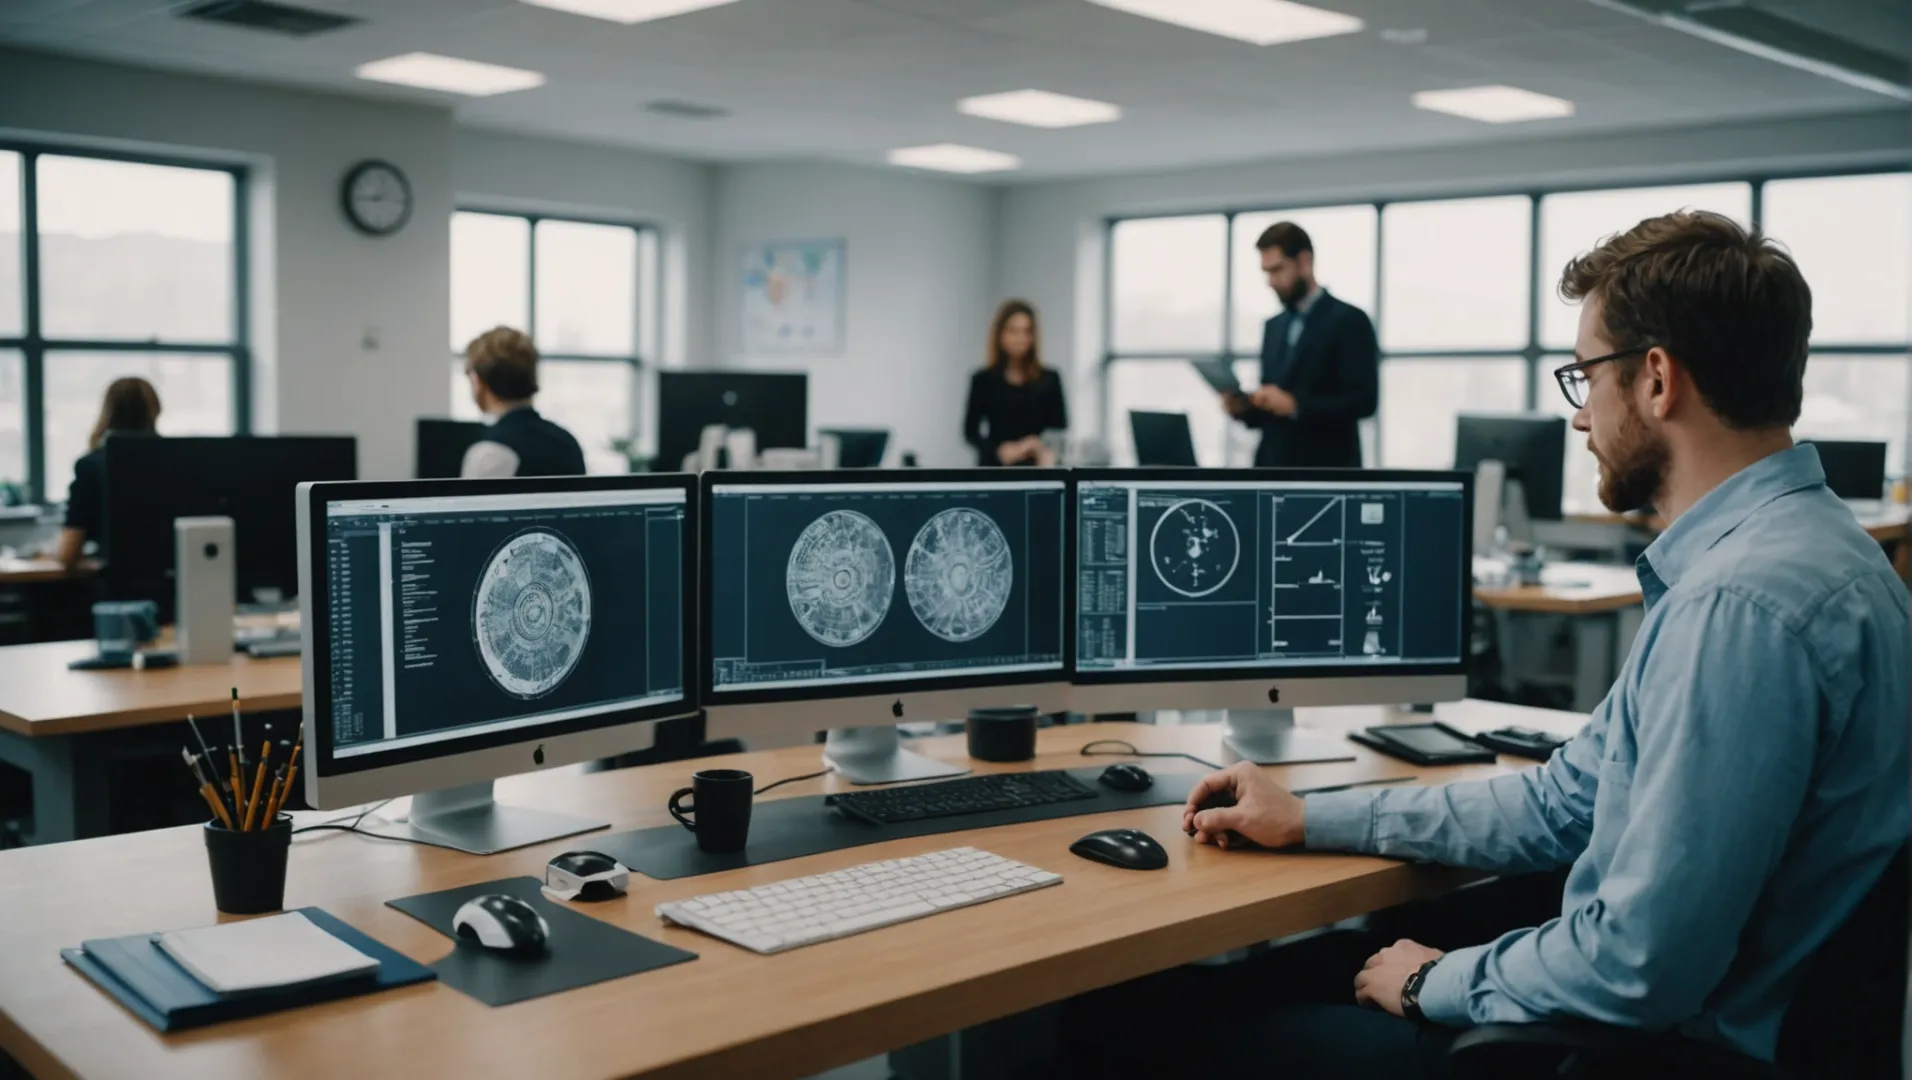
(449, 73)
(1040, 108)
(628, 11)
(1494, 104)
(954, 157)
(1259, 22)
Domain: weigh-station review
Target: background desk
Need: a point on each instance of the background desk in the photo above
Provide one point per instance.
(1605, 607)
(1888, 523)
(40, 600)
(730, 1013)
(65, 728)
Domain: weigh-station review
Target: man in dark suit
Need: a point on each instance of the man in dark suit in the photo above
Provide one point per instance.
(1320, 366)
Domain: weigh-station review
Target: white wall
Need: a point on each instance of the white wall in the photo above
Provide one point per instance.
(349, 332)
(1050, 236)
(917, 291)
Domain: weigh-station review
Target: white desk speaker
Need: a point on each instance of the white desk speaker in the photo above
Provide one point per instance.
(205, 565)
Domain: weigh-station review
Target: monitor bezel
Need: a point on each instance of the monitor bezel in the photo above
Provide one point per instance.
(1247, 677)
(714, 699)
(476, 757)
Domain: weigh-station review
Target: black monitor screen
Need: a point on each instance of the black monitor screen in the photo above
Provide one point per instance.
(465, 616)
(441, 445)
(773, 405)
(838, 584)
(1533, 448)
(1219, 575)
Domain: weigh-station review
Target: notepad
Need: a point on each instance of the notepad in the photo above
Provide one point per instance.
(260, 954)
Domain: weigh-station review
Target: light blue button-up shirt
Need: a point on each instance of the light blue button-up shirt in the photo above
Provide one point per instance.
(1737, 792)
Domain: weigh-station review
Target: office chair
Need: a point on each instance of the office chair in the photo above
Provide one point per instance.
(1846, 1020)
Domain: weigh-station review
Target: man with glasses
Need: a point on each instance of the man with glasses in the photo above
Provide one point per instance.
(1738, 791)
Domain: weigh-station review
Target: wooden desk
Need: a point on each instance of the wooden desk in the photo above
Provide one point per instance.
(1606, 607)
(63, 727)
(18, 571)
(730, 1013)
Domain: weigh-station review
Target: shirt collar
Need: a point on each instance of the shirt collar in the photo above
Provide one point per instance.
(1308, 302)
(1722, 510)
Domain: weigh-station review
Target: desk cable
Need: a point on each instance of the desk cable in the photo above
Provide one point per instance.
(1127, 749)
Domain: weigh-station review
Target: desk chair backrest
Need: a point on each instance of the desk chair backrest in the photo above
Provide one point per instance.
(1847, 1018)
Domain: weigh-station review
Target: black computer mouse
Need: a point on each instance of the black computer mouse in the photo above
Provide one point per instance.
(1127, 778)
(590, 876)
(1221, 800)
(1130, 849)
(503, 924)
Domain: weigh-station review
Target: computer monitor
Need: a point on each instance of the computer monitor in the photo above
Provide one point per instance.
(1533, 447)
(251, 479)
(774, 405)
(1259, 589)
(1161, 438)
(854, 600)
(459, 631)
(859, 448)
(440, 445)
(1854, 470)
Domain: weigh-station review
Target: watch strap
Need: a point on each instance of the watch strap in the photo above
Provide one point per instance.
(1411, 992)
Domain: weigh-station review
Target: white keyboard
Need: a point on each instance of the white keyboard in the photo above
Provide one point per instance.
(823, 907)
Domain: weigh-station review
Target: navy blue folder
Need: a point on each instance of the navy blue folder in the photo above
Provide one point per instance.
(139, 974)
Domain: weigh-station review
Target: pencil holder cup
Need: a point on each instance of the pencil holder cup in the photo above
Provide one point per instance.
(248, 868)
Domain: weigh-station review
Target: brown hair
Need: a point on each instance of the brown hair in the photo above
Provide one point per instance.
(997, 359)
(1728, 304)
(1291, 238)
(131, 404)
(506, 361)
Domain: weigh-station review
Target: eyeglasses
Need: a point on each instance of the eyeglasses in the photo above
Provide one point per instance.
(1573, 377)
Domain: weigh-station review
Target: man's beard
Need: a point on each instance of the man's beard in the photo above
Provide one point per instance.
(1292, 298)
(1632, 474)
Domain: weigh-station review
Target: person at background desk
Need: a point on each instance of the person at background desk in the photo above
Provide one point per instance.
(130, 408)
(502, 365)
(1013, 400)
(1320, 366)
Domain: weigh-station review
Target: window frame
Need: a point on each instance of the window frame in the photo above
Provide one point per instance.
(647, 301)
(33, 346)
(1533, 353)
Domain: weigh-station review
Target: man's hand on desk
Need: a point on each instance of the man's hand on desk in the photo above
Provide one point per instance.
(1263, 813)
(1381, 979)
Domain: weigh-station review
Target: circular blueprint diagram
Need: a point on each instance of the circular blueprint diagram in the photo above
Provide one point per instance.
(958, 574)
(1194, 547)
(532, 613)
(840, 578)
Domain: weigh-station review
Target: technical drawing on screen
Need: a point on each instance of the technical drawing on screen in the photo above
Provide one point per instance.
(838, 603)
(1217, 579)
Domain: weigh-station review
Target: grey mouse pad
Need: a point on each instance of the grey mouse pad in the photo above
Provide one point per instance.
(792, 828)
(582, 950)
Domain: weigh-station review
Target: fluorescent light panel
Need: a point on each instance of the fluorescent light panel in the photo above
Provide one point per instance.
(1258, 22)
(955, 158)
(1039, 108)
(449, 73)
(628, 11)
(1494, 104)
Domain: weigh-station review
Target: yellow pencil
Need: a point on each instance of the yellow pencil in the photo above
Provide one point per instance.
(258, 786)
(218, 807)
(282, 787)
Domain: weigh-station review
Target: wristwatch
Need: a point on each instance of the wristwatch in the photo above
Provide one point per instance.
(1411, 992)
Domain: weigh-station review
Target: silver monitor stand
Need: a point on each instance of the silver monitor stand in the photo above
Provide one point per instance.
(1269, 737)
(875, 755)
(466, 819)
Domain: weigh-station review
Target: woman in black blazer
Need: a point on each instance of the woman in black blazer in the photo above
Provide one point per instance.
(1013, 400)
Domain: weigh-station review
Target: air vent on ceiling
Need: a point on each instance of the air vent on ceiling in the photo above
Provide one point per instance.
(686, 110)
(264, 15)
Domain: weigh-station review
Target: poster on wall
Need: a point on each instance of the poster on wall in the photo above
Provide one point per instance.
(793, 298)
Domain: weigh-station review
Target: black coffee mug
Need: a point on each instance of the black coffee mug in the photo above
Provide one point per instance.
(720, 816)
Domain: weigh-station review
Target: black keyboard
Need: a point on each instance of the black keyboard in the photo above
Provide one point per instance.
(955, 798)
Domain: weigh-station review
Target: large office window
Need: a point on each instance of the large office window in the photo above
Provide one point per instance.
(109, 267)
(1463, 296)
(579, 288)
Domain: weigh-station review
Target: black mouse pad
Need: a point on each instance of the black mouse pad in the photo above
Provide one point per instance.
(792, 828)
(582, 950)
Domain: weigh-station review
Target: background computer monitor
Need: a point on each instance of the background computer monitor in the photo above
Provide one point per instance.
(440, 445)
(775, 405)
(1854, 470)
(251, 479)
(1533, 448)
(859, 448)
(459, 631)
(839, 600)
(1161, 438)
(1260, 589)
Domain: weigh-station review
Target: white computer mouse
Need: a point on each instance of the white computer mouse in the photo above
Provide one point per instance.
(503, 924)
